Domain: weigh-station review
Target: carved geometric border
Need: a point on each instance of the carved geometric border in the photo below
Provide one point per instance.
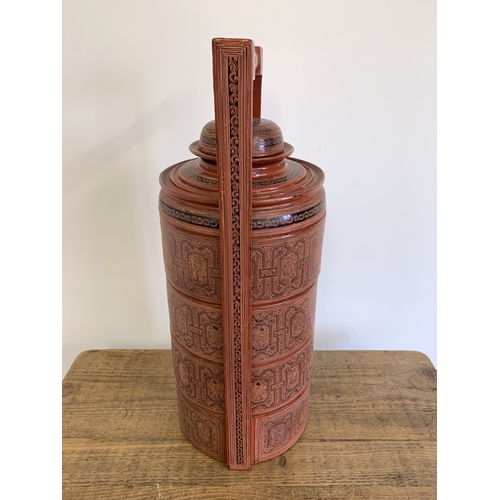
(263, 223)
(202, 382)
(282, 328)
(203, 429)
(286, 266)
(196, 326)
(296, 169)
(276, 433)
(273, 386)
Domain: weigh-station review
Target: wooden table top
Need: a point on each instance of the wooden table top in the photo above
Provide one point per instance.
(371, 433)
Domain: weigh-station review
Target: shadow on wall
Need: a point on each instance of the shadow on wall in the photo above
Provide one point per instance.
(113, 295)
(90, 169)
(106, 296)
(329, 339)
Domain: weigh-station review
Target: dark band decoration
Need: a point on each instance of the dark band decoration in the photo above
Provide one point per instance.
(198, 220)
(287, 220)
(188, 172)
(271, 141)
(213, 222)
(278, 180)
(209, 141)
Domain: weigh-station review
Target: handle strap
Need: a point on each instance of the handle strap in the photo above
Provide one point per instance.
(234, 63)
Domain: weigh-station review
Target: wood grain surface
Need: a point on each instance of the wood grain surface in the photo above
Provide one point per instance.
(371, 433)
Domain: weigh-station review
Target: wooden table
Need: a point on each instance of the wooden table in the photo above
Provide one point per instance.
(371, 433)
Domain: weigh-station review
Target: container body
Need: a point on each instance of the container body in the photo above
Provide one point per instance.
(288, 214)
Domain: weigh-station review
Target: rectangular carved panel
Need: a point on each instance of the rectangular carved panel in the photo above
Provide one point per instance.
(203, 428)
(275, 433)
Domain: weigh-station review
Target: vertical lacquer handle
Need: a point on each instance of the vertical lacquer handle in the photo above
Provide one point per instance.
(257, 83)
(234, 63)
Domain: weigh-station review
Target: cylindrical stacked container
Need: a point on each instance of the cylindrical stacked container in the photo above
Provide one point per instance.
(263, 356)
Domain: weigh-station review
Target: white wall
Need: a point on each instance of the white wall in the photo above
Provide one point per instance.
(352, 85)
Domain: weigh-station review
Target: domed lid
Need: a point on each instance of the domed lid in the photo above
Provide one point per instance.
(267, 139)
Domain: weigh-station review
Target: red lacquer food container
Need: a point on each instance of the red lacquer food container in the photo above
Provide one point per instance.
(242, 228)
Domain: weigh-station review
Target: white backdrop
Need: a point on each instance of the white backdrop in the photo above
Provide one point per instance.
(352, 85)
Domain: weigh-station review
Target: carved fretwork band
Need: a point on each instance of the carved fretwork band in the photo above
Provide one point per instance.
(233, 76)
(269, 222)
